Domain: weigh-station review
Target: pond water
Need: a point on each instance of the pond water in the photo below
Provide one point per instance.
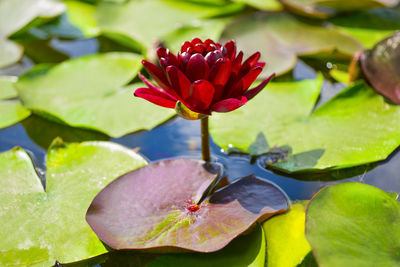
(181, 138)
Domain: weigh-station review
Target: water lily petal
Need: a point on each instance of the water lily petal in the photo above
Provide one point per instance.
(253, 92)
(179, 82)
(237, 63)
(229, 104)
(172, 59)
(212, 57)
(166, 57)
(201, 94)
(199, 48)
(244, 83)
(183, 59)
(162, 52)
(156, 73)
(260, 64)
(230, 49)
(196, 41)
(210, 45)
(252, 60)
(219, 76)
(171, 94)
(185, 46)
(156, 97)
(249, 63)
(197, 68)
(164, 62)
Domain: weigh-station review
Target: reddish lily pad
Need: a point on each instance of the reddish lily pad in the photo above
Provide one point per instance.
(381, 66)
(157, 207)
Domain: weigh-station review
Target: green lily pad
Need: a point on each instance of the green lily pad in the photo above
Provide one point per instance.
(281, 37)
(160, 207)
(11, 52)
(366, 128)
(90, 92)
(139, 24)
(268, 5)
(354, 224)
(17, 14)
(49, 224)
(327, 8)
(286, 241)
(11, 110)
(382, 69)
(371, 26)
(7, 89)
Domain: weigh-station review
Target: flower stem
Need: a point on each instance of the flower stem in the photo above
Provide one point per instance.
(205, 140)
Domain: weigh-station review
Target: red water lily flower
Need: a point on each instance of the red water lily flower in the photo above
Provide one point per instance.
(204, 77)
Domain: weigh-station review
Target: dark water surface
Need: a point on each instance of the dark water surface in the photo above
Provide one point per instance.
(181, 138)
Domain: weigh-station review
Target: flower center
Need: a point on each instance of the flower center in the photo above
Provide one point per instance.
(193, 208)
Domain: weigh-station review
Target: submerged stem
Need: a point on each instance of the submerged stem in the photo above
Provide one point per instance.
(205, 140)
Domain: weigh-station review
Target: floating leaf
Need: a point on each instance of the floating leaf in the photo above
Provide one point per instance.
(381, 66)
(15, 15)
(281, 37)
(366, 127)
(11, 110)
(269, 5)
(371, 26)
(353, 224)
(157, 207)
(327, 8)
(7, 89)
(129, 22)
(11, 52)
(89, 92)
(49, 225)
(286, 242)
